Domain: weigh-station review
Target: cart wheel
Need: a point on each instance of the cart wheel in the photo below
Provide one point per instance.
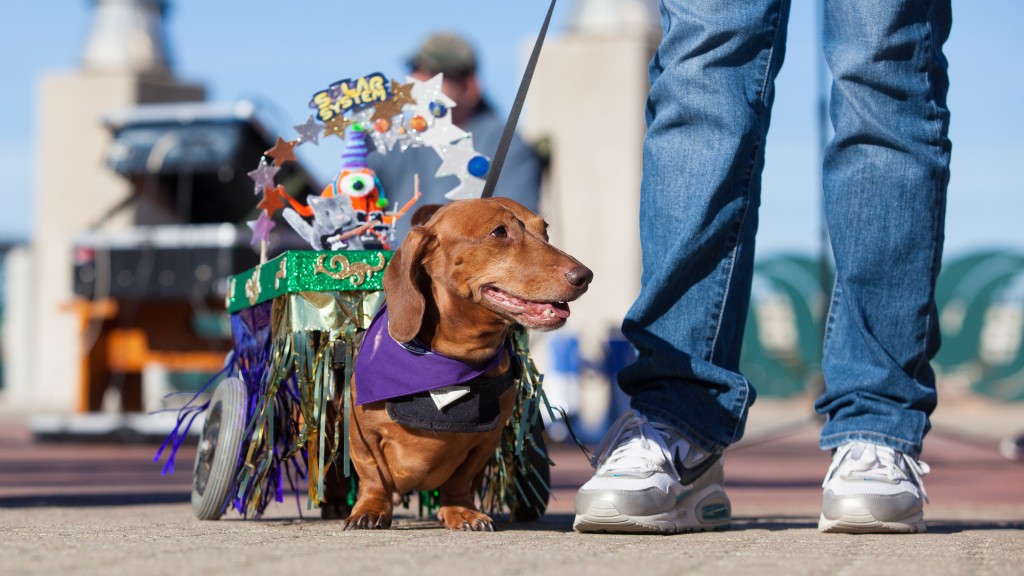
(219, 447)
(537, 492)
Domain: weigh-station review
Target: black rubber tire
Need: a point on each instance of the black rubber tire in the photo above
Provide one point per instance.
(533, 509)
(220, 443)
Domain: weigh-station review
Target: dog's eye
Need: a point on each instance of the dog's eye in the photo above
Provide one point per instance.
(499, 232)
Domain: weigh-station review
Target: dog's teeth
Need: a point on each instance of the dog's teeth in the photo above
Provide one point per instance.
(549, 312)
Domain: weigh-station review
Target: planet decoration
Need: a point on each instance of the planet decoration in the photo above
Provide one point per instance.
(438, 109)
(418, 123)
(390, 114)
(478, 166)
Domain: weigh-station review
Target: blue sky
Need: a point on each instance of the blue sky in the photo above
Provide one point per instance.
(280, 52)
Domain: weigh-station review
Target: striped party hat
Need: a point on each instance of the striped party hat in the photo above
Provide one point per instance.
(354, 156)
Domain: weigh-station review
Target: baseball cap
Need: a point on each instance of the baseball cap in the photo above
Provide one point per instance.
(446, 53)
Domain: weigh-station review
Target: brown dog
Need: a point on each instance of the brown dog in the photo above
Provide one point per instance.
(457, 284)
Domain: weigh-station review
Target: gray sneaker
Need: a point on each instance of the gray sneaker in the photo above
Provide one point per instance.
(650, 479)
(871, 489)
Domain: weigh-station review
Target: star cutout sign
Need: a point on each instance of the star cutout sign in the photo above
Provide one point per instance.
(442, 131)
(336, 126)
(429, 91)
(308, 132)
(455, 157)
(384, 141)
(282, 151)
(261, 228)
(263, 175)
(469, 187)
(273, 200)
(401, 94)
(386, 110)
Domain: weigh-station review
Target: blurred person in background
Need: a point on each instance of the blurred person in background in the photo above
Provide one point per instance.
(451, 55)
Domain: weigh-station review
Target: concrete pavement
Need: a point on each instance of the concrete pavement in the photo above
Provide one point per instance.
(104, 509)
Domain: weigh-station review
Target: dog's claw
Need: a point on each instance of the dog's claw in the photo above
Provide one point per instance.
(367, 522)
(465, 520)
(480, 525)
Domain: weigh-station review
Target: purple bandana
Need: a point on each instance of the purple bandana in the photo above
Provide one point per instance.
(386, 369)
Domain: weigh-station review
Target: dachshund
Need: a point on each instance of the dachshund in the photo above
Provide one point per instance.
(453, 289)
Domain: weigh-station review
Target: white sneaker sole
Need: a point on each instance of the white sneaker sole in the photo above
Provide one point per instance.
(867, 524)
(712, 503)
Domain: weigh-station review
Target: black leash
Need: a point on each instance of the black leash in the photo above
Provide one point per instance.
(517, 107)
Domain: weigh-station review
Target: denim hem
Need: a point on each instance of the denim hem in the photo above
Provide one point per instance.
(668, 419)
(900, 445)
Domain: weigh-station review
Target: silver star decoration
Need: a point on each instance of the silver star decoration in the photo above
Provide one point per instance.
(455, 157)
(379, 141)
(384, 141)
(409, 138)
(441, 131)
(429, 91)
(363, 117)
(401, 139)
(469, 187)
(309, 132)
(263, 175)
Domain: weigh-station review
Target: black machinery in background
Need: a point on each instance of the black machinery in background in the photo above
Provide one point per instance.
(152, 292)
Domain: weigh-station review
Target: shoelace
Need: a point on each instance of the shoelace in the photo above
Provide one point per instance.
(634, 442)
(879, 460)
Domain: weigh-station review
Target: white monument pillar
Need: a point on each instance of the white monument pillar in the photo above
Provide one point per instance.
(587, 100)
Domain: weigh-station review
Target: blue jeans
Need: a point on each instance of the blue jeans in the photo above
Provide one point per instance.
(885, 175)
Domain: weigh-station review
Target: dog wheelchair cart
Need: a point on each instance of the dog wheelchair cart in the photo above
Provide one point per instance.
(277, 420)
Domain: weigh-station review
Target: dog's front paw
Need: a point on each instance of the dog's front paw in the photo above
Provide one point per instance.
(464, 519)
(367, 521)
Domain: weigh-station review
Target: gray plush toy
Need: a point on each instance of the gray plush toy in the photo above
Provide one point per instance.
(332, 216)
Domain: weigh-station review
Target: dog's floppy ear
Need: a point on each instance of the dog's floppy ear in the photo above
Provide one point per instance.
(406, 303)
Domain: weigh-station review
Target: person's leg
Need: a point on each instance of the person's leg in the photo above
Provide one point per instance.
(885, 177)
(712, 85)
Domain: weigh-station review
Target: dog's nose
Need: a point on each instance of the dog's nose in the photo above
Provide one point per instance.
(579, 276)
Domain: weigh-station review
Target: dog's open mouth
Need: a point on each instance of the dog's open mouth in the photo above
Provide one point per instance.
(530, 313)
